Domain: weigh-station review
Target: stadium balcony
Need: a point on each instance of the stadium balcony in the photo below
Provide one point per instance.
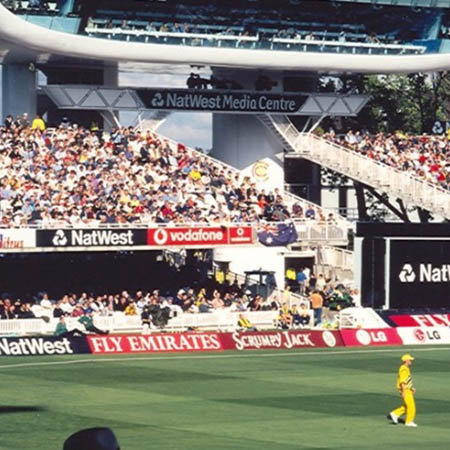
(234, 37)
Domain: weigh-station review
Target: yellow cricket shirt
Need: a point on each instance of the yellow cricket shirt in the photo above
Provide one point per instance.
(404, 377)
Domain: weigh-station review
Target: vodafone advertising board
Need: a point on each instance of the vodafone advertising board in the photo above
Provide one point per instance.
(425, 335)
(199, 236)
(370, 337)
(210, 342)
(421, 320)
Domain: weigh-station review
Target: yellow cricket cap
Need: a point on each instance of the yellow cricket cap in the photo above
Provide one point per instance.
(407, 357)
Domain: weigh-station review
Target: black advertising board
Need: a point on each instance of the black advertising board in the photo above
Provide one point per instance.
(419, 273)
(86, 237)
(221, 101)
(38, 346)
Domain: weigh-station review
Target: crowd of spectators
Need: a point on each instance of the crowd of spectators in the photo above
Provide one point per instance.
(211, 297)
(73, 176)
(426, 157)
(155, 310)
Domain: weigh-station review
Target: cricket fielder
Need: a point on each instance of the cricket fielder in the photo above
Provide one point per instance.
(407, 391)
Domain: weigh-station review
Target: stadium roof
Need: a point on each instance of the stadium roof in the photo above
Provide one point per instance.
(21, 41)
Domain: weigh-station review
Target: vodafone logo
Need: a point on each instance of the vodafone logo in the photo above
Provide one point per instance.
(420, 335)
(329, 339)
(160, 236)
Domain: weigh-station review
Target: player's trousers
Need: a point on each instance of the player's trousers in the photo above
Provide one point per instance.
(408, 407)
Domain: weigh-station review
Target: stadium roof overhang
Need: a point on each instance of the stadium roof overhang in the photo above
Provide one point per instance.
(21, 41)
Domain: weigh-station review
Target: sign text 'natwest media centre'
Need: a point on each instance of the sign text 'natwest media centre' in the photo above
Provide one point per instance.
(222, 101)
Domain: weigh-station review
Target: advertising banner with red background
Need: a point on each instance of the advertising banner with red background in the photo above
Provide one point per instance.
(200, 236)
(207, 342)
(369, 337)
(421, 320)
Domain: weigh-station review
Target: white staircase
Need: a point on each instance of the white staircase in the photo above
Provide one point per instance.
(334, 263)
(394, 182)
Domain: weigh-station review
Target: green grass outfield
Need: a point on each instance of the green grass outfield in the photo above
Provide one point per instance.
(309, 399)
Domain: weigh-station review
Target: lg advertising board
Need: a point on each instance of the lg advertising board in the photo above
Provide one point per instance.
(419, 273)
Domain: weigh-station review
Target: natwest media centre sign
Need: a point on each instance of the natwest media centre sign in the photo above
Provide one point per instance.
(200, 236)
(221, 101)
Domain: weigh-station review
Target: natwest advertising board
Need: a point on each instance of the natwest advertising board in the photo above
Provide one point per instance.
(374, 336)
(38, 346)
(425, 335)
(421, 320)
(200, 236)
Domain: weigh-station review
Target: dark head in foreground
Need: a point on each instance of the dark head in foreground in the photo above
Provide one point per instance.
(92, 439)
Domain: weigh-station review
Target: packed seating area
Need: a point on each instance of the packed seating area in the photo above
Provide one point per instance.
(156, 311)
(71, 176)
(237, 26)
(426, 157)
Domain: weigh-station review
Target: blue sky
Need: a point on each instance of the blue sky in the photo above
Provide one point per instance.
(192, 129)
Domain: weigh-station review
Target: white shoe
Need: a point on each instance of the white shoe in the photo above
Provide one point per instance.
(393, 417)
(411, 424)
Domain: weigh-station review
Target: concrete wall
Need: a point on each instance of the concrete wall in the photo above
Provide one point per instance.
(18, 90)
(243, 142)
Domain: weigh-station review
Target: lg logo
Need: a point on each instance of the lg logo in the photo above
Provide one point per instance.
(407, 274)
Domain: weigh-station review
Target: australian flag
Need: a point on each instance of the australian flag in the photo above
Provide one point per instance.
(277, 234)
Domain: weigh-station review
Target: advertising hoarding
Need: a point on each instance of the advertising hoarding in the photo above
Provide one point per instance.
(419, 273)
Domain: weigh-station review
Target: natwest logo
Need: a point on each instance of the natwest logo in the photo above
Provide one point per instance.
(60, 239)
(427, 273)
(407, 274)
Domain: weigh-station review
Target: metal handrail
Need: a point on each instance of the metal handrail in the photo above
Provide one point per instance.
(317, 45)
(425, 194)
